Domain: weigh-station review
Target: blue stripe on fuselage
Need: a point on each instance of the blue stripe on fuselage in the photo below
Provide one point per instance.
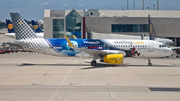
(61, 46)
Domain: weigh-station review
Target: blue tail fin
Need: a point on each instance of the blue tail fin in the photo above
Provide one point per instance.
(36, 27)
(29, 25)
(10, 26)
(21, 28)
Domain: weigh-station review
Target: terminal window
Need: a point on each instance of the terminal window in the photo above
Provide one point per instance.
(73, 24)
(130, 27)
(58, 28)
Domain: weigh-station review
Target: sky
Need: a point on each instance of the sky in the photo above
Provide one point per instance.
(34, 9)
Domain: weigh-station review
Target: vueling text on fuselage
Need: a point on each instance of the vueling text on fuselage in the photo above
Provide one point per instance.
(129, 42)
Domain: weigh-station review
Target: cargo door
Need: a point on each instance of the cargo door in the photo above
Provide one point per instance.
(150, 47)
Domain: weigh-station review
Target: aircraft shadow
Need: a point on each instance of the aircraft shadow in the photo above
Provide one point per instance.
(131, 66)
(164, 89)
(99, 65)
(29, 64)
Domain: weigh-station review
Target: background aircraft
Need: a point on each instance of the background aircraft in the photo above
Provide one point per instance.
(11, 33)
(37, 29)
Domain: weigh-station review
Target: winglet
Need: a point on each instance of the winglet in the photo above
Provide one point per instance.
(74, 37)
(69, 42)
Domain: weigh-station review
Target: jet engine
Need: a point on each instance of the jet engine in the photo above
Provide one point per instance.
(112, 58)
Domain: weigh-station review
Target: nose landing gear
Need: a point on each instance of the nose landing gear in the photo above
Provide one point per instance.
(149, 62)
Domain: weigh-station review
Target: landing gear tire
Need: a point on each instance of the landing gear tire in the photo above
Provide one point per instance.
(93, 63)
(177, 56)
(149, 64)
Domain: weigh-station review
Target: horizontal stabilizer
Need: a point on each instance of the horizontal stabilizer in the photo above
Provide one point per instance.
(18, 44)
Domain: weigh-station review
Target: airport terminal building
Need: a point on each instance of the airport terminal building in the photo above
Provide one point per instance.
(82, 23)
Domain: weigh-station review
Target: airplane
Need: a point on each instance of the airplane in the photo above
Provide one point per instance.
(11, 33)
(110, 51)
(10, 29)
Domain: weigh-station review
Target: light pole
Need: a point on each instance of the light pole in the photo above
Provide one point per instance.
(143, 4)
(127, 4)
(157, 4)
(154, 6)
(134, 4)
(74, 3)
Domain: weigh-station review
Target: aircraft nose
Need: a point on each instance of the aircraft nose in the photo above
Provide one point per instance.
(169, 52)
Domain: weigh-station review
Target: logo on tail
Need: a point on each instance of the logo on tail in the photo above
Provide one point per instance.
(35, 27)
(10, 26)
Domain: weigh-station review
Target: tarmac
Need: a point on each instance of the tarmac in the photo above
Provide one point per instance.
(37, 77)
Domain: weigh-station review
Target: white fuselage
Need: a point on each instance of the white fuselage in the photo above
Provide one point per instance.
(146, 48)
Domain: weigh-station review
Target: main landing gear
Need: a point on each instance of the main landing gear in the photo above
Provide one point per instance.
(93, 63)
(177, 56)
(149, 62)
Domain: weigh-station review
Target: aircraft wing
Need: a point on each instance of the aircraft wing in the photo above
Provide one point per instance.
(17, 44)
(95, 52)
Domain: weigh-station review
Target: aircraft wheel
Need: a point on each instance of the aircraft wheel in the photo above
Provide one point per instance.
(149, 64)
(177, 56)
(93, 63)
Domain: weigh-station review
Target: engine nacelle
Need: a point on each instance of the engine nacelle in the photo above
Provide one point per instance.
(113, 58)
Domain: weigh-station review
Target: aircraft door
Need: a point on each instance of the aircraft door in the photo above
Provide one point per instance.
(150, 47)
(104, 46)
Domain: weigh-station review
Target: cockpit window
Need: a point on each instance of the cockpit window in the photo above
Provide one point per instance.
(162, 46)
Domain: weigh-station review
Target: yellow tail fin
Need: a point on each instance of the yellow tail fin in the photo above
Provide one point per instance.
(69, 42)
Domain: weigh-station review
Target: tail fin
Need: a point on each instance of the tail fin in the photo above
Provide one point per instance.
(29, 25)
(74, 37)
(36, 27)
(10, 26)
(21, 28)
